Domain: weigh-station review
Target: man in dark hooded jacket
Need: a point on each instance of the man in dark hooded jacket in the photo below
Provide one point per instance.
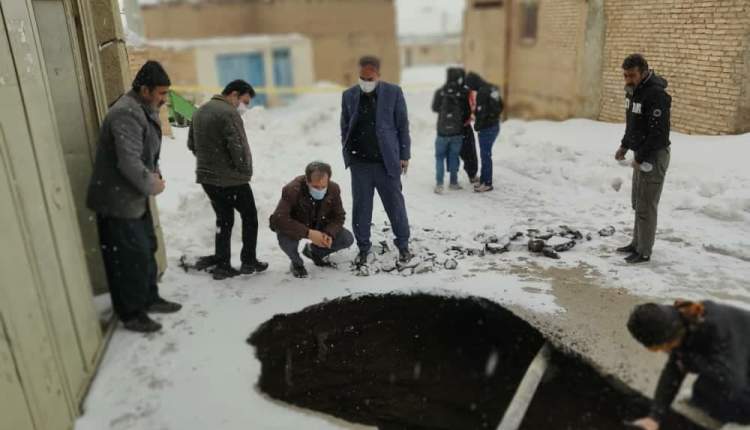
(451, 103)
(488, 107)
(648, 109)
(706, 338)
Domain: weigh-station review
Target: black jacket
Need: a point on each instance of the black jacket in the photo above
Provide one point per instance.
(489, 102)
(451, 103)
(718, 348)
(648, 117)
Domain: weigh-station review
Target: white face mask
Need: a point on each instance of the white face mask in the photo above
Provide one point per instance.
(242, 108)
(367, 86)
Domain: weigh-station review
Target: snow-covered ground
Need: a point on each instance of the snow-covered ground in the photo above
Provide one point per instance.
(199, 373)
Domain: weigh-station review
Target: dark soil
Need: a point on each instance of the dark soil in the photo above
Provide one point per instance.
(419, 362)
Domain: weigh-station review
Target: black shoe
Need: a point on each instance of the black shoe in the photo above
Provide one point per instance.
(253, 267)
(630, 249)
(206, 262)
(361, 258)
(223, 272)
(298, 270)
(142, 324)
(320, 262)
(161, 306)
(636, 258)
(404, 255)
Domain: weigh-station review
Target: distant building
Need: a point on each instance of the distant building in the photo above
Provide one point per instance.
(273, 64)
(430, 50)
(339, 31)
(561, 58)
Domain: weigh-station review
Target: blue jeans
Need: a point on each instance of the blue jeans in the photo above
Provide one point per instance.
(447, 147)
(487, 138)
(366, 178)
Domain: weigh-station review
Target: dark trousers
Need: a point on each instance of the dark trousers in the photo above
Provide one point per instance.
(128, 248)
(366, 178)
(724, 406)
(290, 246)
(225, 200)
(647, 188)
(487, 139)
(469, 153)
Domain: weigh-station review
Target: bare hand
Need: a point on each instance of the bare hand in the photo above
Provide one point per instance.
(620, 154)
(317, 238)
(328, 241)
(159, 184)
(636, 165)
(404, 166)
(646, 424)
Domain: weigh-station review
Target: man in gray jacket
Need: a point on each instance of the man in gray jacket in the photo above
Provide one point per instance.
(126, 173)
(224, 168)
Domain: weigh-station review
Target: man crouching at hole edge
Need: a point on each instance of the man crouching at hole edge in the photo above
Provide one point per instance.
(706, 338)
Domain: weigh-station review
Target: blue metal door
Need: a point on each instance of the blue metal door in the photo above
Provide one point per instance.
(282, 72)
(249, 67)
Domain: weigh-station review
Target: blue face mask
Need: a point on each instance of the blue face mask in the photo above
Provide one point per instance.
(316, 193)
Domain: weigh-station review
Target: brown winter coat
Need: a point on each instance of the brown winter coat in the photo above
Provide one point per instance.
(295, 214)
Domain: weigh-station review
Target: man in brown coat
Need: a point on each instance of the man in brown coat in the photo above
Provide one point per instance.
(311, 208)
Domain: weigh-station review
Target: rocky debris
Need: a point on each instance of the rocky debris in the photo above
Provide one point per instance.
(450, 264)
(549, 252)
(564, 246)
(607, 231)
(536, 245)
(496, 248)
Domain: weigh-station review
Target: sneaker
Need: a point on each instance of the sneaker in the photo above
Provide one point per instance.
(223, 272)
(298, 270)
(483, 188)
(253, 267)
(404, 255)
(636, 258)
(630, 249)
(142, 324)
(206, 262)
(320, 262)
(439, 189)
(161, 306)
(456, 187)
(474, 180)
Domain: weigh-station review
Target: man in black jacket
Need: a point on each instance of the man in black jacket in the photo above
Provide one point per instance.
(706, 338)
(487, 110)
(451, 103)
(646, 134)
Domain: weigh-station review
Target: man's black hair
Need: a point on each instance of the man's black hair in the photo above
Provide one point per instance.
(317, 167)
(635, 61)
(370, 60)
(151, 75)
(242, 88)
(653, 325)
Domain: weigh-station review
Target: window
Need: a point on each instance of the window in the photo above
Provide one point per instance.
(529, 21)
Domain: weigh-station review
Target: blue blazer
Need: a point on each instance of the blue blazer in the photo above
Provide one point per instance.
(391, 124)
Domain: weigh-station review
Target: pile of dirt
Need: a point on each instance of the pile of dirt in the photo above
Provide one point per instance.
(418, 362)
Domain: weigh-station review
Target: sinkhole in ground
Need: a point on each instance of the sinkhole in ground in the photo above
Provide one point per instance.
(419, 362)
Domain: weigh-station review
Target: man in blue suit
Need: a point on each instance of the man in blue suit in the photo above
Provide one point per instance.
(376, 147)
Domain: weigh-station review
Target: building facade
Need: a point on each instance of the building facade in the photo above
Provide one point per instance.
(340, 30)
(63, 63)
(561, 58)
